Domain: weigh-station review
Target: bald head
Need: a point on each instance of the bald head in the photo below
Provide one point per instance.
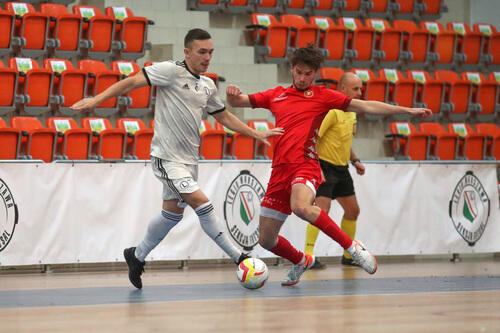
(351, 85)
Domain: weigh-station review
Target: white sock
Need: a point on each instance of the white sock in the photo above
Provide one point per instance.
(158, 228)
(210, 224)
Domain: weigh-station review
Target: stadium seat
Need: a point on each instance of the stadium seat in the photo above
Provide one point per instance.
(7, 21)
(359, 38)
(415, 40)
(406, 7)
(430, 92)
(468, 42)
(97, 33)
(375, 88)
(261, 150)
(490, 44)
(301, 32)
(138, 137)
(492, 133)
(401, 91)
(270, 6)
(139, 102)
(443, 145)
(471, 145)
(30, 30)
(38, 142)
(70, 85)
(99, 79)
(387, 39)
(65, 30)
(407, 142)
(10, 141)
(458, 94)
(333, 38)
(330, 77)
(271, 38)
(8, 87)
(107, 142)
(238, 146)
(73, 142)
(442, 42)
(495, 76)
(212, 142)
(34, 86)
(132, 31)
(329, 8)
(432, 8)
(483, 94)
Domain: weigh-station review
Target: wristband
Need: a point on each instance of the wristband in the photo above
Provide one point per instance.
(355, 160)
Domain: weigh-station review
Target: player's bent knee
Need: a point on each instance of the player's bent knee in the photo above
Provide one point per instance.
(301, 211)
(267, 242)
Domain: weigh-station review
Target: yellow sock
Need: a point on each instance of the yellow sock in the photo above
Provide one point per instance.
(349, 227)
(311, 236)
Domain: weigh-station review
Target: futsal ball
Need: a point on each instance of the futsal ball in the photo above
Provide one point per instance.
(252, 273)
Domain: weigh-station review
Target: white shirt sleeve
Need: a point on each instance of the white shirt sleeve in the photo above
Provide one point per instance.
(161, 73)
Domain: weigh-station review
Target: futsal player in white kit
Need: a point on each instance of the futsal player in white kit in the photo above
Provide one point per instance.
(182, 96)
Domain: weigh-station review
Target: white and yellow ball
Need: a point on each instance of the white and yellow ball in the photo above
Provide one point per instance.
(252, 273)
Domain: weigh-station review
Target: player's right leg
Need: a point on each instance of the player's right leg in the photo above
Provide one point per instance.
(324, 203)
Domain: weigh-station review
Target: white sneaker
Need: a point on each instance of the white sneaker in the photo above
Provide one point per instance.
(362, 257)
(294, 274)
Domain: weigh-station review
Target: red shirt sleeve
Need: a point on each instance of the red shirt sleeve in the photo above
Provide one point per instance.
(263, 99)
(336, 100)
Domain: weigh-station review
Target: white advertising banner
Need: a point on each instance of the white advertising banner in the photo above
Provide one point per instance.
(89, 212)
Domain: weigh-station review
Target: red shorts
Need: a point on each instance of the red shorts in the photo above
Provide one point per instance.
(283, 177)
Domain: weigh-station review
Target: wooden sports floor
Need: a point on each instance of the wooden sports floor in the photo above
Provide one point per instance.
(406, 296)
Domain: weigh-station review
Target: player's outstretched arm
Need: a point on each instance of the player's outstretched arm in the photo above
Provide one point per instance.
(119, 88)
(229, 120)
(235, 97)
(375, 107)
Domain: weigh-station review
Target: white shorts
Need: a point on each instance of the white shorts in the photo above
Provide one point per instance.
(176, 177)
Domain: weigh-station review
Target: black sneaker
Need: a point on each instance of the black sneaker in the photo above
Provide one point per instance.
(135, 267)
(318, 265)
(242, 257)
(348, 261)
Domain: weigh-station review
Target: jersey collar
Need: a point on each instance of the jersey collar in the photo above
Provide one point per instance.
(187, 68)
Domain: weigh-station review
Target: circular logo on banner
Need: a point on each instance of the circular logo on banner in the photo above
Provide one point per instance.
(8, 215)
(242, 207)
(469, 208)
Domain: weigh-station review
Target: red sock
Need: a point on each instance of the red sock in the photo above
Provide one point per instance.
(326, 224)
(286, 250)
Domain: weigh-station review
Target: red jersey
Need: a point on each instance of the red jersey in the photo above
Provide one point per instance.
(300, 113)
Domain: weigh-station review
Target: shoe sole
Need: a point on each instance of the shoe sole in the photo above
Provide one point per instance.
(288, 284)
(374, 259)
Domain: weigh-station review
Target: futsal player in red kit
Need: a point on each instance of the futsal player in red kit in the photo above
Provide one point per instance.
(299, 109)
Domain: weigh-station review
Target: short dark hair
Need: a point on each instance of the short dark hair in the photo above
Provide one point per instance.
(309, 56)
(195, 34)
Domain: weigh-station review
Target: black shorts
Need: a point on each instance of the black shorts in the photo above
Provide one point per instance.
(338, 181)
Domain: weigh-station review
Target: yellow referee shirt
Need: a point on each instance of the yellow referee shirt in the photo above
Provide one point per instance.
(335, 137)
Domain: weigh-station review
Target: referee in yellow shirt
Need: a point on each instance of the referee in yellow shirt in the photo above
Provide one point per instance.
(335, 152)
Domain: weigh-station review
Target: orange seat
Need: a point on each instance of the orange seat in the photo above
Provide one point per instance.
(65, 29)
(70, 84)
(332, 37)
(38, 142)
(131, 30)
(140, 102)
(238, 146)
(212, 142)
(303, 33)
(138, 137)
(7, 21)
(8, 87)
(443, 145)
(359, 38)
(492, 133)
(458, 93)
(261, 150)
(430, 92)
(468, 42)
(483, 94)
(108, 142)
(31, 27)
(97, 32)
(472, 146)
(374, 89)
(490, 45)
(387, 39)
(330, 77)
(10, 141)
(495, 77)
(73, 142)
(432, 7)
(408, 143)
(442, 41)
(352, 5)
(34, 85)
(406, 6)
(271, 38)
(401, 90)
(329, 8)
(215, 77)
(415, 40)
(100, 78)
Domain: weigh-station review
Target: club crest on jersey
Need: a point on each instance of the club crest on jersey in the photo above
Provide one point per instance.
(242, 207)
(469, 208)
(308, 93)
(8, 215)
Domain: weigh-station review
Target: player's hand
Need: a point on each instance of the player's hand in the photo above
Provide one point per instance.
(86, 104)
(421, 112)
(360, 168)
(233, 91)
(262, 135)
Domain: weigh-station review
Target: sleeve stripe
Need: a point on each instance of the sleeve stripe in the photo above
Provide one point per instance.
(217, 111)
(146, 75)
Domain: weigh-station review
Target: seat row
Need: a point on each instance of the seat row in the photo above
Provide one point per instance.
(62, 138)
(52, 31)
(427, 9)
(432, 141)
(471, 95)
(402, 43)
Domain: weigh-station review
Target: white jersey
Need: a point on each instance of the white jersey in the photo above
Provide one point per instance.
(181, 99)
